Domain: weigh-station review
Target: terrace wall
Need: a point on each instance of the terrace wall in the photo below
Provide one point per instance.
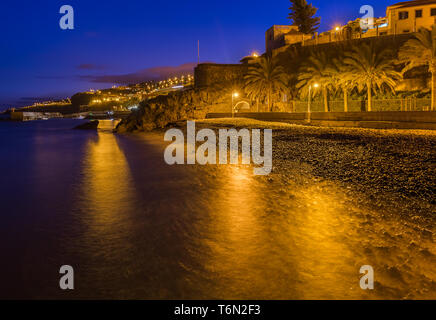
(208, 74)
(379, 120)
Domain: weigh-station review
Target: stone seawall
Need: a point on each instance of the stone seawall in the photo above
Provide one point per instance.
(379, 120)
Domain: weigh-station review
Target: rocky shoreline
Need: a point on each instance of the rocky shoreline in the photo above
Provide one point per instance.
(392, 169)
(370, 190)
(159, 112)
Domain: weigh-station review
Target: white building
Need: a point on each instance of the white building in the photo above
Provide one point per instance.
(410, 16)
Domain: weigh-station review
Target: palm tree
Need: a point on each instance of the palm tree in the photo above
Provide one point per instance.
(316, 71)
(341, 78)
(266, 79)
(370, 66)
(292, 90)
(421, 51)
(292, 58)
(254, 94)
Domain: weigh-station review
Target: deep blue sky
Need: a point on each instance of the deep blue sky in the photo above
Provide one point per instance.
(38, 59)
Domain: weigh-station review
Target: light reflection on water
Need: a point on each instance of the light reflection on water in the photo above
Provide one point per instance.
(134, 227)
(104, 205)
(263, 246)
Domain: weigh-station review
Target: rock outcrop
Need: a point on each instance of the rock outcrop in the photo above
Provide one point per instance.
(181, 105)
(92, 125)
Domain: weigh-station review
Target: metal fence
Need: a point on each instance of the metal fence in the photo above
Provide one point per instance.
(412, 104)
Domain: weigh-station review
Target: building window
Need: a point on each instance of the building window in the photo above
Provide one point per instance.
(418, 13)
(403, 15)
(433, 12)
(406, 31)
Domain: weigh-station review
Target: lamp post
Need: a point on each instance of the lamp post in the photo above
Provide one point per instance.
(234, 95)
(309, 102)
(337, 29)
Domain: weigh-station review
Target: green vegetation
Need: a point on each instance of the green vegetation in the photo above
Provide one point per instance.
(81, 98)
(265, 76)
(315, 71)
(421, 51)
(360, 69)
(302, 16)
(341, 78)
(370, 66)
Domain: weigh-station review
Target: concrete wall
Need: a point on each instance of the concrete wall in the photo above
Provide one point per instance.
(207, 74)
(274, 36)
(219, 108)
(410, 104)
(324, 41)
(278, 36)
(381, 120)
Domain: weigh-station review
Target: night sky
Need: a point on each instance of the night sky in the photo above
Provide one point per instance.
(118, 41)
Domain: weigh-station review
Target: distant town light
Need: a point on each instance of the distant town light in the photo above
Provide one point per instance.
(316, 85)
(235, 94)
(255, 55)
(337, 29)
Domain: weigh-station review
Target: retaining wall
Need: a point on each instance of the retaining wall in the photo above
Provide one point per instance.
(381, 120)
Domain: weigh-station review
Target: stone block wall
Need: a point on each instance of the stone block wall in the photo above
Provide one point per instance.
(208, 74)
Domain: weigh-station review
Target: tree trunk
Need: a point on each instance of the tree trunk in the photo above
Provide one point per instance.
(433, 90)
(345, 100)
(369, 96)
(269, 101)
(326, 99)
(257, 103)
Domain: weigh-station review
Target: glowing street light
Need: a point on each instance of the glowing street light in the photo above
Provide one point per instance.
(255, 55)
(337, 32)
(234, 95)
(309, 102)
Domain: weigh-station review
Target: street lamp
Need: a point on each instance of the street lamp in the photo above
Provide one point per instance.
(234, 95)
(309, 102)
(337, 29)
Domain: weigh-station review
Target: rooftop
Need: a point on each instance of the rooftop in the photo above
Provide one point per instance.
(408, 4)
